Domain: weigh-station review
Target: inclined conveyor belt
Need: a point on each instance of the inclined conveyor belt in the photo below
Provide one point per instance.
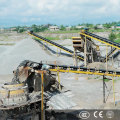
(56, 45)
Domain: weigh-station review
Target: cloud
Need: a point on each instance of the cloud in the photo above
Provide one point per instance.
(58, 11)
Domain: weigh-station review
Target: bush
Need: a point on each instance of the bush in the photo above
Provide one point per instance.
(112, 36)
(21, 30)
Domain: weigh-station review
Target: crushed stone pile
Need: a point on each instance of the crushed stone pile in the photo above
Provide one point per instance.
(27, 49)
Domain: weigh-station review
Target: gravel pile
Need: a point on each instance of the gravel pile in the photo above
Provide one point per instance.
(27, 49)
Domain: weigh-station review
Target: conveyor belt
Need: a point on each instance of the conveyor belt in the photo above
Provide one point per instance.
(77, 69)
(83, 70)
(116, 54)
(101, 39)
(51, 50)
(56, 45)
(110, 53)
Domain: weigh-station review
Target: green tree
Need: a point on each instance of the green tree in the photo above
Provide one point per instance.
(21, 30)
(39, 28)
(35, 28)
(89, 25)
(107, 25)
(95, 27)
(62, 27)
(112, 36)
(17, 28)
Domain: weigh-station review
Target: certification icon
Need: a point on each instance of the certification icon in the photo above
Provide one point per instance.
(109, 114)
(84, 114)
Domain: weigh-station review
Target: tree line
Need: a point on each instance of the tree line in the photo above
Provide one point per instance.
(42, 28)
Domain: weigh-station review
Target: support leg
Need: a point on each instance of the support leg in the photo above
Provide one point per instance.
(113, 89)
(85, 53)
(42, 91)
(104, 89)
(59, 79)
(75, 57)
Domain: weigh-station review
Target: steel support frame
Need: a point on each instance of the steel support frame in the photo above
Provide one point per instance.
(104, 101)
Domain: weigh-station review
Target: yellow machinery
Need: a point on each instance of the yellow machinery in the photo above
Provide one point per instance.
(13, 94)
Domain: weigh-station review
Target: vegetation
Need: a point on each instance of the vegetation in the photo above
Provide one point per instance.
(117, 38)
(71, 29)
(99, 30)
(19, 29)
(39, 28)
(53, 38)
(106, 80)
(63, 31)
(112, 36)
(107, 25)
(6, 43)
(62, 27)
(56, 37)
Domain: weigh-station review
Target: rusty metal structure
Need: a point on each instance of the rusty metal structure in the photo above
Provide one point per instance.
(23, 95)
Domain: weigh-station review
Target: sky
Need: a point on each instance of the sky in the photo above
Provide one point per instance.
(66, 12)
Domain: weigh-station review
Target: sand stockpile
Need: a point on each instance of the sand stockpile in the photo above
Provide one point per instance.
(27, 49)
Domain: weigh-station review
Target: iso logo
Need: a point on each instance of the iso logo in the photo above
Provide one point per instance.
(84, 114)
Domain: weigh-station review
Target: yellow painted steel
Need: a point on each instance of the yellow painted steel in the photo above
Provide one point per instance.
(42, 90)
(100, 40)
(76, 41)
(9, 88)
(15, 92)
(56, 46)
(76, 38)
(106, 57)
(58, 79)
(12, 86)
(113, 89)
(97, 48)
(4, 93)
(74, 58)
(86, 72)
(85, 52)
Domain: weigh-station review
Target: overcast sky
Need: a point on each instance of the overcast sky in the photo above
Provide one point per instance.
(67, 12)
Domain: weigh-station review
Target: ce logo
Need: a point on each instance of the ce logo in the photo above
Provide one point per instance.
(100, 114)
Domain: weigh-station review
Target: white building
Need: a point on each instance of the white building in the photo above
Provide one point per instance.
(79, 27)
(100, 27)
(53, 28)
(68, 28)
